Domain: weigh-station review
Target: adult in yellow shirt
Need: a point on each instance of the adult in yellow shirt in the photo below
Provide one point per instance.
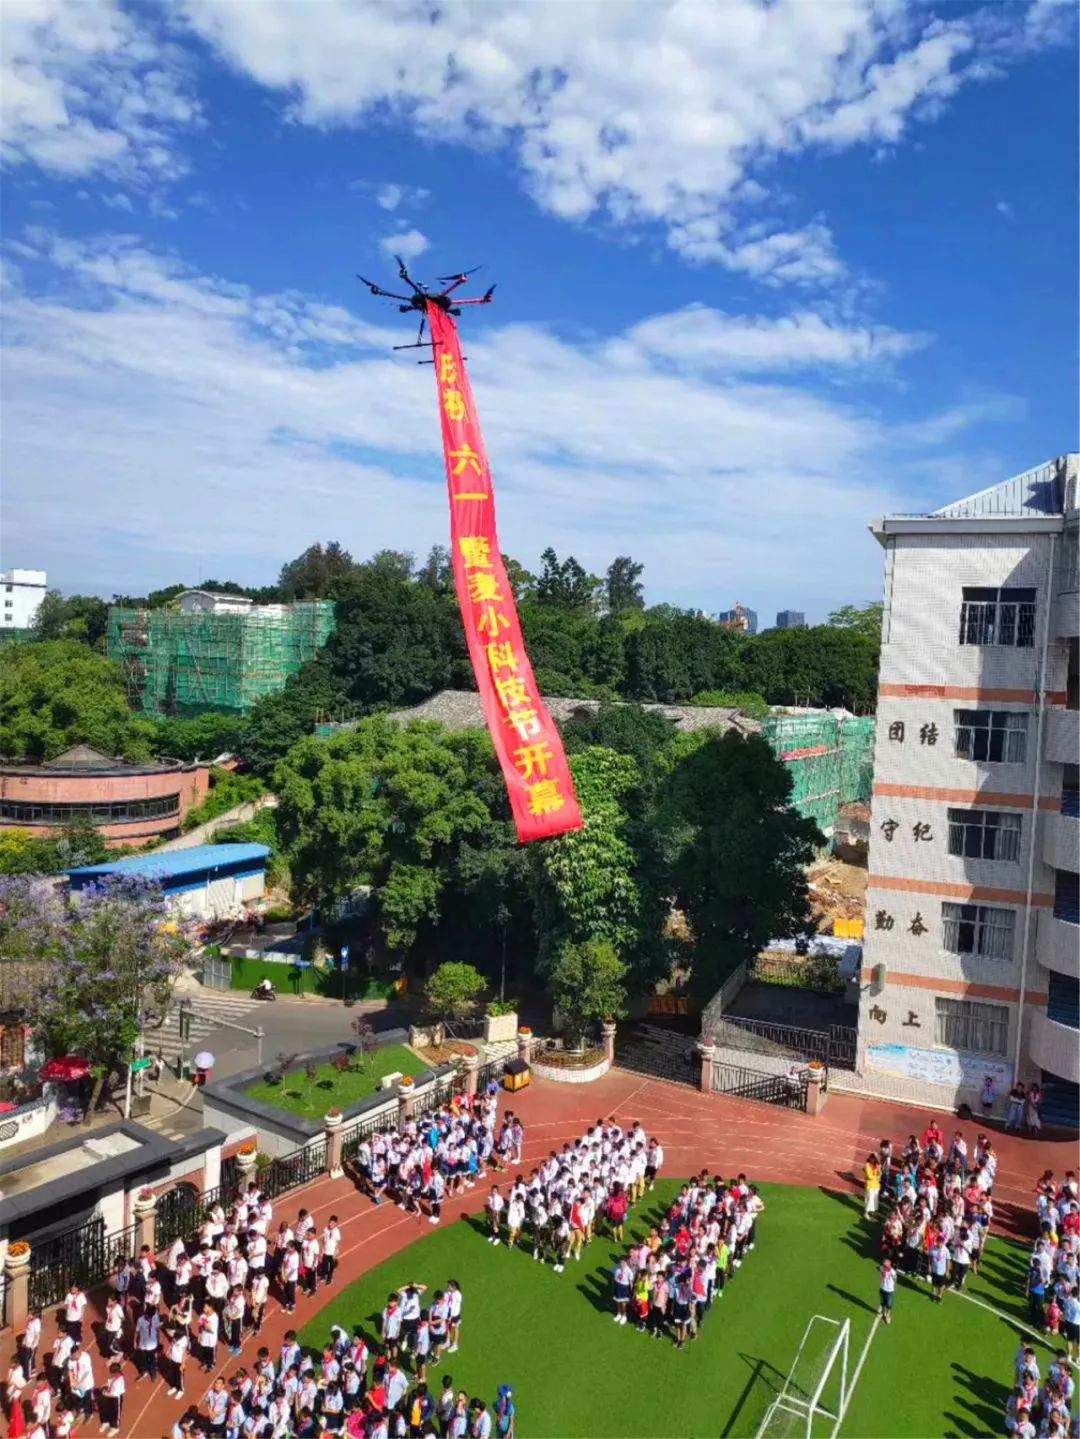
(871, 1185)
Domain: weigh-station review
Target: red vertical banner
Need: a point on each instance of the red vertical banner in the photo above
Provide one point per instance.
(526, 741)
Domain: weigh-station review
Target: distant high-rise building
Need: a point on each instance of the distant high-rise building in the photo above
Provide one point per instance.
(790, 619)
(740, 618)
(22, 591)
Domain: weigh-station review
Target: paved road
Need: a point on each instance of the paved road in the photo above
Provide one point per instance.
(288, 1024)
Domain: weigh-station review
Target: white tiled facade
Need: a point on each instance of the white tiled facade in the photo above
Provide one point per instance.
(1002, 939)
(21, 591)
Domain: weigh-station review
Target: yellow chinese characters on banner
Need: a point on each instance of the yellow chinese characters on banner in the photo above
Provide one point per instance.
(526, 740)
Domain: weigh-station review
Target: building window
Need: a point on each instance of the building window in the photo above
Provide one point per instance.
(997, 617)
(1067, 896)
(984, 834)
(1070, 790)
(978, 929)
(968, 1024)
(996, 736)
(20, 812)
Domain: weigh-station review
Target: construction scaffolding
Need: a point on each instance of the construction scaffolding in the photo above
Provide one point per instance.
(189, 663)
(830, 759)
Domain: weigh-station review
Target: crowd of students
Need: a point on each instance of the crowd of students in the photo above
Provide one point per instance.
(938, 1210)
(938, 1205)
(170, 1311)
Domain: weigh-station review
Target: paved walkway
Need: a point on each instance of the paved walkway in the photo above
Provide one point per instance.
(697, 1131)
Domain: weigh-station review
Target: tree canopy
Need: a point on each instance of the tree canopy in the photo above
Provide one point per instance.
(57, 693)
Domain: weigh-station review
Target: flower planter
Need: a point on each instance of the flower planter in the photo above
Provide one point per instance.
(332, 1119)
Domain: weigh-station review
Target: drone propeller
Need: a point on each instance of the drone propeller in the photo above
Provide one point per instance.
(403, 274)
(459, 277)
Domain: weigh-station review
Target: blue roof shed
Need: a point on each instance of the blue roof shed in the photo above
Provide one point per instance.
(179, 870)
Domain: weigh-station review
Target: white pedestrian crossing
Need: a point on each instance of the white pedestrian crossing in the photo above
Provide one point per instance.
(207, 1012)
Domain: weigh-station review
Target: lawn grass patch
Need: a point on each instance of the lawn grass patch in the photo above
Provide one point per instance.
(332, 1088)
(937, 1370)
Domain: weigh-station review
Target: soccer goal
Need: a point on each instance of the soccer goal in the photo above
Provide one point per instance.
(814, 1396)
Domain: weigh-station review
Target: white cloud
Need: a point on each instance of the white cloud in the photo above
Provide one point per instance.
(154, 414)
(87, 87)
(389, 197)
(702, 339)
(650, 113)
(406, 243)
(801, 257)
(1003, 207)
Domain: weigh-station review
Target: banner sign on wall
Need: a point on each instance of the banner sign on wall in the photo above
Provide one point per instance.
(937, 1066)
(526, 740)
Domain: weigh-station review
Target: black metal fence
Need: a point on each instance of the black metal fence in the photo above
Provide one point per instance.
(836, 1045)
(85, 1256)
(786, 1090)
(290, 1171)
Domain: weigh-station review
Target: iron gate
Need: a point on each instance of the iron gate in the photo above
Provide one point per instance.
(178, 1213)
(786, 1090)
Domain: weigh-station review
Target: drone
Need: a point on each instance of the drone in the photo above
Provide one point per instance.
(422, 297)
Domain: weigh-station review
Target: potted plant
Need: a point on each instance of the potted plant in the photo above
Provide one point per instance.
(18, 1257)
(145, 1200)
(332, 1118)
(246, 1156)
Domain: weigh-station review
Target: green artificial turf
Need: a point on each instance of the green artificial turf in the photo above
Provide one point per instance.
(936, 1370)
(331, 1087)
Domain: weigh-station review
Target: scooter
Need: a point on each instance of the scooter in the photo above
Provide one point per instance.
(259, 993)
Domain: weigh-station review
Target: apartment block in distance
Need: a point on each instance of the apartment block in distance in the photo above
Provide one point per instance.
(972, 958)
(790, 619)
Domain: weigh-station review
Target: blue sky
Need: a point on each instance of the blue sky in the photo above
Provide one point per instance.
(764, 272)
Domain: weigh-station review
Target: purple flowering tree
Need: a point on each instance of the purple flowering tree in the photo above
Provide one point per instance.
(102, 965)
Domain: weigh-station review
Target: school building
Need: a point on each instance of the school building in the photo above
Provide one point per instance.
(972, 955)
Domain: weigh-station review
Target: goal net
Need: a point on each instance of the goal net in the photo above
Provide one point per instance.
(814, 1395)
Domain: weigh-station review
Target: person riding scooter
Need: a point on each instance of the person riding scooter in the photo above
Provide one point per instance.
(264, 990)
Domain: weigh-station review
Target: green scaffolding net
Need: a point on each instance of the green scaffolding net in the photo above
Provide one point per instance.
(189, 663)
(830, 760)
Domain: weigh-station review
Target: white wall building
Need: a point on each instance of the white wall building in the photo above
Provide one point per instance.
(21, 591)
(972, 902)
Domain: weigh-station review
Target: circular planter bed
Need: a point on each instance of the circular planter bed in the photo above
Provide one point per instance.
(571, 1066)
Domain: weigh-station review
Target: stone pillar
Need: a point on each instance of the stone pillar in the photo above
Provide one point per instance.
(525, 1043)
(211, 1170)
(707, 1053)
(17, 1277)
(607, 1029)
(405, 1097)
(144, 1213)
(472, 1070)
(334, 1140)
(815, 1090)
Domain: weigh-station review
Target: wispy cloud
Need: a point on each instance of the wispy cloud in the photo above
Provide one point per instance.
(701, 443)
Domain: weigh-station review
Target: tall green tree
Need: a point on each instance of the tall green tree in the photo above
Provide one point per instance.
(588, 984)
(864, 620)
(623, 589)
(738, 852)
(71, 617)
(588, 884)
(385, 806)
(317, 574)
(566, 585)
